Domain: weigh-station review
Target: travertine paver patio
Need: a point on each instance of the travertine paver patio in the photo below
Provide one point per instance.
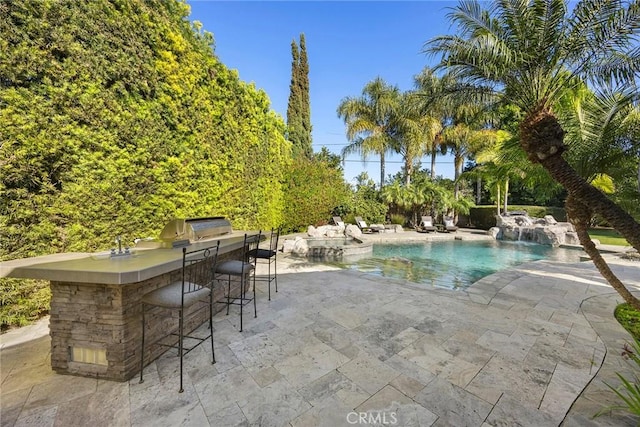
(517, 349)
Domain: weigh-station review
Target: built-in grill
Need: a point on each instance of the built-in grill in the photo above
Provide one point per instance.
(182, 232)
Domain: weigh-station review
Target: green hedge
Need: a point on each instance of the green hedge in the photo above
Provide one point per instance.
(313, 189)
(117, 117)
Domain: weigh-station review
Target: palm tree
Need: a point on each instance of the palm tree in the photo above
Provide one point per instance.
(424, 194)
(600, 128)
(499, 158)
(369, 121)
(464, 136)
(456, 120)
(491, 166)
(394, 196)
(416, 133)
(531, 52)
(448, 204)
(428, 103)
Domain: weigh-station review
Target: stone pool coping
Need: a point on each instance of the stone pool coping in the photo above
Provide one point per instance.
(529, 345)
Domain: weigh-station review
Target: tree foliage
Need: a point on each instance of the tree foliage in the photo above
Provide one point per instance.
(365, 202)
(299, 105)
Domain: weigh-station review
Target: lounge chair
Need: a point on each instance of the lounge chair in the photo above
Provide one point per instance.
(449, 225)
(426, 225)
(338, 221)
(365, 228)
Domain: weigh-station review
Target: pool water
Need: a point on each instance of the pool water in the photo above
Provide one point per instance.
(454, 264)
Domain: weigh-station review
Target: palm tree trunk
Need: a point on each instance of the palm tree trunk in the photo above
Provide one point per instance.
(433, 163)
(639, 176)
(624, 223)
(541, 136)
(506, 195)
(478, 190)
(381, 170)
(580, 216)
(456, 175)
(498, 197)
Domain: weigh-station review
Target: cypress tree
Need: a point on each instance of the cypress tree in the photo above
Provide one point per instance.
(293, 106)
(298, 108)
(305, 103)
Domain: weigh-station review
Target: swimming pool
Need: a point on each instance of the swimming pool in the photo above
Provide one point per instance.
(454, 264)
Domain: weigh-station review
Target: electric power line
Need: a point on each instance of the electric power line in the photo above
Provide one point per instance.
(390, 161)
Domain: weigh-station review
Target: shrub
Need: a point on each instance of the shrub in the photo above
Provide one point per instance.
(541, 211)
(483, 217)
(313, 190)
(629, 389)
(22, 301)
(398, 219)
(372, 211)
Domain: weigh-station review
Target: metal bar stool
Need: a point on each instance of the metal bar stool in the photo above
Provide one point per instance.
(243, 269)
(270, 257)
(195, 286)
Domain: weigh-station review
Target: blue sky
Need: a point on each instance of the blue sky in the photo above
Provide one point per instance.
(348, 45)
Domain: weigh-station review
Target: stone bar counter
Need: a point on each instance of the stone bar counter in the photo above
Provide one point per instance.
(95, 323)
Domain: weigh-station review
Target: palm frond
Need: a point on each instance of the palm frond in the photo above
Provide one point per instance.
(534, 49)
(356, 147)
(598, 32)
(615, 68)
(359, 125)
(515, 14)
(549, 29)
(595, 130)
(471, 18)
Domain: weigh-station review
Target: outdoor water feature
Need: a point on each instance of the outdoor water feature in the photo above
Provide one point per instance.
(329, 242)
(544, 231)
(337, 248)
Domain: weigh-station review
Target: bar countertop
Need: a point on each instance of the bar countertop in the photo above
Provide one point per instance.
(100, 268)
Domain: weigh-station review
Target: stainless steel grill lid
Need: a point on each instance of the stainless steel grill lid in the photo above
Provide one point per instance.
(185, 231)
(209, 227)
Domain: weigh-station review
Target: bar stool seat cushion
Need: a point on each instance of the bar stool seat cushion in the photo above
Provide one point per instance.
(170, 296)
(234, 267)
(263, 253)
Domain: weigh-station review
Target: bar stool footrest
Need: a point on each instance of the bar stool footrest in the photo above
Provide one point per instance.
(236, 301)
(185, 349)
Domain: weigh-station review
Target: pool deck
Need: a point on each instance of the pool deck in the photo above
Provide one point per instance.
(529, 346)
